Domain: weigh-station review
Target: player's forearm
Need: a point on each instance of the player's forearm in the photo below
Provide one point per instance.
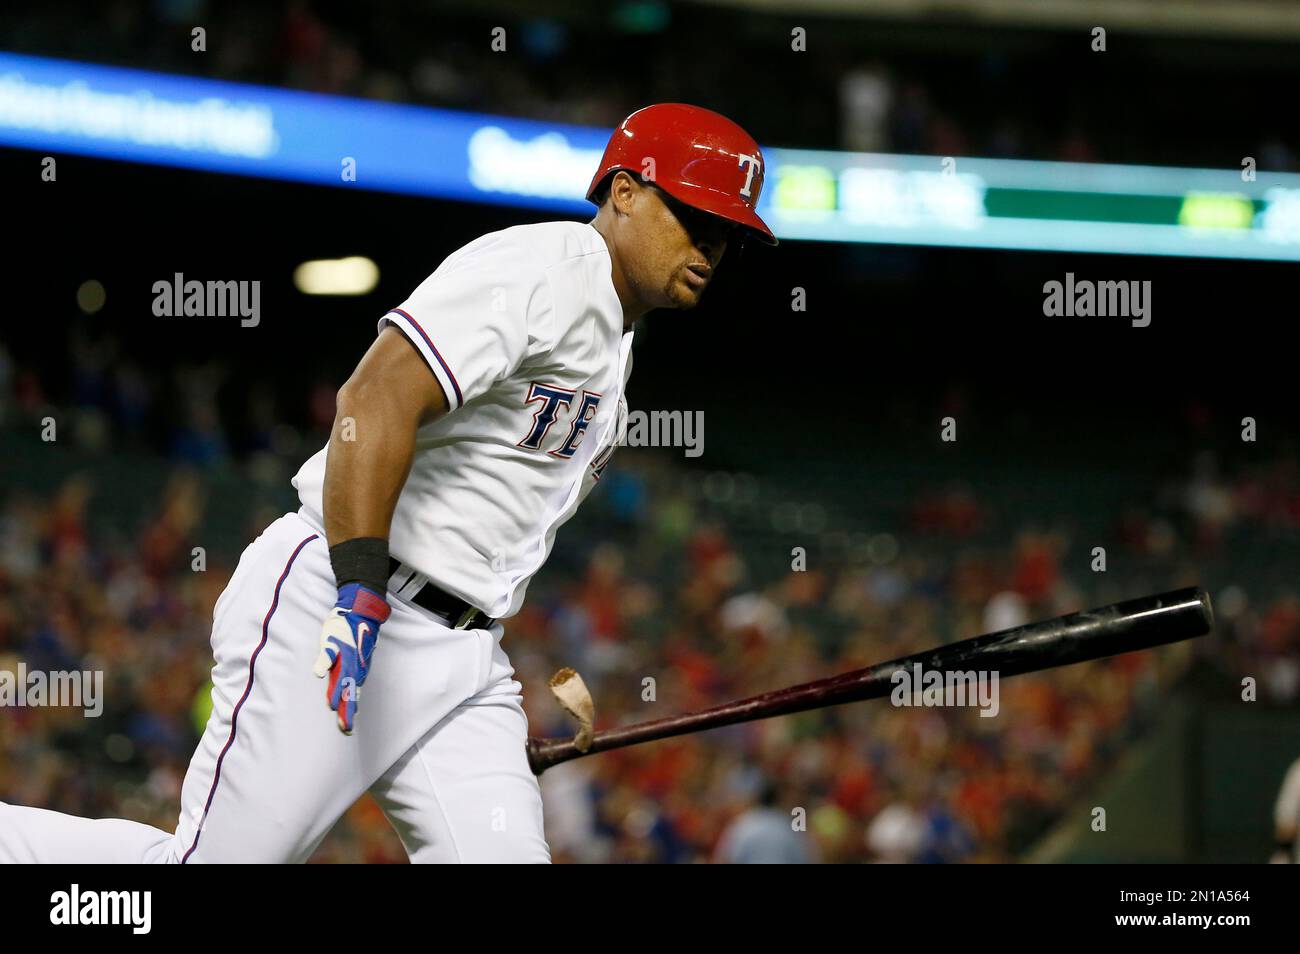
(369, 458)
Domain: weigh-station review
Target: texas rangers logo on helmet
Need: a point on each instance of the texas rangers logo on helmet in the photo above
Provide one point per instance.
(751, 165)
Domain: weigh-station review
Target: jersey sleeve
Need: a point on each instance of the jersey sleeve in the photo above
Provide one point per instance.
(478, 316)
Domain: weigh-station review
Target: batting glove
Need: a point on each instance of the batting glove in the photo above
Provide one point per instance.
(346, 641)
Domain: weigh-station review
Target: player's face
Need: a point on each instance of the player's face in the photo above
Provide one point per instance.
(680, 250)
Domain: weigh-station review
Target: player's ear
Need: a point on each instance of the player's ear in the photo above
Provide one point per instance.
(613, 190)
(624, 191)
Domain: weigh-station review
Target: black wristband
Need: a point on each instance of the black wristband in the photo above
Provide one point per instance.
(361, 560)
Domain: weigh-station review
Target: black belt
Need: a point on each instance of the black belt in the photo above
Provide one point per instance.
(457, 612)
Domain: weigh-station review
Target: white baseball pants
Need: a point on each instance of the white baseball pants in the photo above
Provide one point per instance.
(439, 736)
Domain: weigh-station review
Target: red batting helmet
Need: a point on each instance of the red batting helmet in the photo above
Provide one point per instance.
(700, 158)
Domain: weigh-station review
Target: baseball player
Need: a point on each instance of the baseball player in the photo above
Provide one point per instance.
(478, 420)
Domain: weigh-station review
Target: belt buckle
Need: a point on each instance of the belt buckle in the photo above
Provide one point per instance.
(466, 617)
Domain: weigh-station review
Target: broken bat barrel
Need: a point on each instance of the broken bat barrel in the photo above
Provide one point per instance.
(1077, 637)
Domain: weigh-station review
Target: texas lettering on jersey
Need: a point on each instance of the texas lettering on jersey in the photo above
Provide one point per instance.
(552, 401)
(551, 398)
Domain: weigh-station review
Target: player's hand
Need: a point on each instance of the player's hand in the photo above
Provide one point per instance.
(346, 641)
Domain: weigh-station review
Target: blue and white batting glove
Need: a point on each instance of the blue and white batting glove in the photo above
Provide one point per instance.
(346, 641)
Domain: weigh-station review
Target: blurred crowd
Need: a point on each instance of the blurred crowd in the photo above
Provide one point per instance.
(856, 87)
(666, 599)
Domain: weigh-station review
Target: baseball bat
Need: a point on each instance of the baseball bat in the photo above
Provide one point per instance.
(1077, 637)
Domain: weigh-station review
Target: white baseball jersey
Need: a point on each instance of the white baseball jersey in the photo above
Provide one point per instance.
(524, 332)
